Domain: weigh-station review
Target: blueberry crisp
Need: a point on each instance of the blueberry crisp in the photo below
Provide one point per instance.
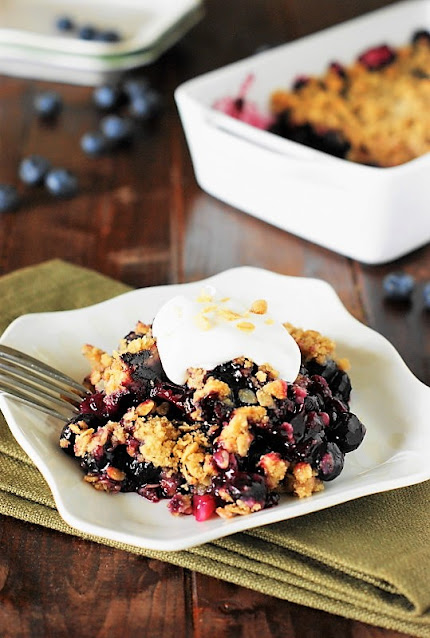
(374, 111)
(226, 440)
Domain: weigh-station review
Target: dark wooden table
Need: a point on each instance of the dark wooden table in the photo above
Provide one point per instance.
(140, 217)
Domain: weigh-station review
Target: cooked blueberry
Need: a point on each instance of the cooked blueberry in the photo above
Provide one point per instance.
(9, 198)
(33, 169)
(334, 143)
(94, 143)
(347, 433)
(145, 106)
(300, 82)
(108, 36)
(87, 32)
(107, 96)
(116, 128)
(426, 296)
(338, 69)
(64, 23)
(398, 286)
(421, 35)
(48, 104)
(340, 385)
(330, 463)
(61, 183)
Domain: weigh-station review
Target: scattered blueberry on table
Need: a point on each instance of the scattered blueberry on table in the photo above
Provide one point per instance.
(145, 106)
(33, 169)
(134, 87)
(47, 104)
(9, 198)
(398, 286)
(107, 96)
(61, 183)
(95, 143)
(116, 128)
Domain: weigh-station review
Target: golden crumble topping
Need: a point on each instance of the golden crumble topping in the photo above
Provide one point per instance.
(228, 441)
(237, 436)
(382, 112)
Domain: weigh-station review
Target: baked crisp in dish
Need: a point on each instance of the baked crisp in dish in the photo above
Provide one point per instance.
(230, 439)
(375, 111)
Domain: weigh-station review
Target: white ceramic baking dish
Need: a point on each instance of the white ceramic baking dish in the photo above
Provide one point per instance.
(371, 214)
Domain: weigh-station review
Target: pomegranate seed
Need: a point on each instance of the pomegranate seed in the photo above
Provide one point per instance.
(221, 458)
(378, 57)
(204, 506)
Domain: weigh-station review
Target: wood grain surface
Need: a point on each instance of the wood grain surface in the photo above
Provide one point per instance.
(140, 217)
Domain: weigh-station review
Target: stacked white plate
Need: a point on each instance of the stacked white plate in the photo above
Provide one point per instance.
(32, 46)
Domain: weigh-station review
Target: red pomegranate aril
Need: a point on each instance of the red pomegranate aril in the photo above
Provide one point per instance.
(377, 57)
(204, 506)
(222, 458)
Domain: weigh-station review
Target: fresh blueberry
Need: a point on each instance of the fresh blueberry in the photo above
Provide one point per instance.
(107, 96)
(9, 198)
(48, 104)
(136, 87)
(108, 36)
(87, 32)
(145, 106)
(117, 129)
(61, 183)
(426, 295)
(398, 286)
(64, 23)
(94, 143)
(33, 169)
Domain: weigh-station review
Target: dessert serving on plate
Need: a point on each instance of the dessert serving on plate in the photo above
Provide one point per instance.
(216, 406)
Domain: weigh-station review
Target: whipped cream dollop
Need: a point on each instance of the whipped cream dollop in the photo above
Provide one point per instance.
(211, 329)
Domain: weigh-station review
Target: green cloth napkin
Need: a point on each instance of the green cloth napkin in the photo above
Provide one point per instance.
(368, 559)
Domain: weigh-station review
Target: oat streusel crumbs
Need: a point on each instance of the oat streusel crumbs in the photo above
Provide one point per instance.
(145, 408)
(382, 114)
(274, 468)
(274, 390)
(236, 436)
(136, 345)
(312, 344)
(237, 509)
(194, 461)
(99, 361)
(195, 378)
(245, 326)
(158, 438)
(259, 307)
(303, 481)
(213, 387)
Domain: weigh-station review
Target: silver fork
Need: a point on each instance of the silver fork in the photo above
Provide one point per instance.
(39, 385)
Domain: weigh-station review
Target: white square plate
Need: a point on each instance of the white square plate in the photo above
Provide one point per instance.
(390, 401)
(32, 46)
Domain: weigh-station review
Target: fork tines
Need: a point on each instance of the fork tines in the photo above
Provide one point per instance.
(39, 385)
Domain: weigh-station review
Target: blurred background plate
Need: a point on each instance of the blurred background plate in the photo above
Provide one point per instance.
(31, 45)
